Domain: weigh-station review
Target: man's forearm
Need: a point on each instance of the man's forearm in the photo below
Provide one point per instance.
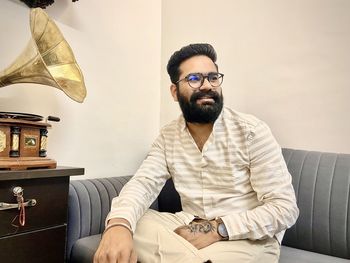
(260, 222)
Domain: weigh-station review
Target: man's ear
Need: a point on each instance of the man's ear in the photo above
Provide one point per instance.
(173, 90)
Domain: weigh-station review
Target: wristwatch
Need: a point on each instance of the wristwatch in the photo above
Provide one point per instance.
(222, 231)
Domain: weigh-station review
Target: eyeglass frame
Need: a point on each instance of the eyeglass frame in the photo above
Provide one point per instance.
(221, 75)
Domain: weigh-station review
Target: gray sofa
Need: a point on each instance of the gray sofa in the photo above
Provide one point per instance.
(321, 234)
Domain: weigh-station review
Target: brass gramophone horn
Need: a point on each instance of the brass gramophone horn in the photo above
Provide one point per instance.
(47, 60)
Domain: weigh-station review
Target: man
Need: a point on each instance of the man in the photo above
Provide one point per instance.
(235, 190)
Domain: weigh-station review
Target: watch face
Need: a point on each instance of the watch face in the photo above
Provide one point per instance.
(222, 230)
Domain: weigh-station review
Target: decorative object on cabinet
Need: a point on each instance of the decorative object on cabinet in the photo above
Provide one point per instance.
(23, 141)
(48, 59)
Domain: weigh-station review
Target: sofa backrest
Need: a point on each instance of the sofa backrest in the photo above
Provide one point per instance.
(321, 182)
(85, 197)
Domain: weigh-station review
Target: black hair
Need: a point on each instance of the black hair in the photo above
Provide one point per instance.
(185, 53)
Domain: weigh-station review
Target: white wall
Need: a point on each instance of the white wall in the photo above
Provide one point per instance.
(287, 62)
(117, 45)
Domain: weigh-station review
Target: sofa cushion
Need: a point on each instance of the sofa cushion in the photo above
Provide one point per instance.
(84, 249)
(294, 255)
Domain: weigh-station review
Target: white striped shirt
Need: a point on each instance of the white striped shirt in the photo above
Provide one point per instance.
(240, 175)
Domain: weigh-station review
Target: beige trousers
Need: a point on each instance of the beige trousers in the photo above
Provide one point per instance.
(155, 241)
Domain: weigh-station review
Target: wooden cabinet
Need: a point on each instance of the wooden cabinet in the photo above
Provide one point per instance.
(43, 237)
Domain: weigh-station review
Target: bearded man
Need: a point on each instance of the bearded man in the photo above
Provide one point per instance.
(236, 192)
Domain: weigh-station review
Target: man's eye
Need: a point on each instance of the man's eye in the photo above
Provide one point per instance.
(213, 77)
(193, 78)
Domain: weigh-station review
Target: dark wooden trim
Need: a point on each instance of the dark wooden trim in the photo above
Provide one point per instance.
(40, 173)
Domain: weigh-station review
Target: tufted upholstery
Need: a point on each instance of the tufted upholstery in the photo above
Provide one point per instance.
(89, 203)
(321, 182)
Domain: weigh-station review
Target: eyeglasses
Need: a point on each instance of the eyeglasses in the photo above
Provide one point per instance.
(196, 80)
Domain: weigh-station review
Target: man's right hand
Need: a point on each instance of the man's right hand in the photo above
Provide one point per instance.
(116, 245)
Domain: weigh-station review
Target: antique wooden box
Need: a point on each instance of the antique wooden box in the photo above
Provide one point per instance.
(23, 142)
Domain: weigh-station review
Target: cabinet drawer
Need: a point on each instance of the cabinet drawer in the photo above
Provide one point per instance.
(42, 246)
(50, 210)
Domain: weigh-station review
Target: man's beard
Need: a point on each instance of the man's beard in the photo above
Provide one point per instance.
(201, 113)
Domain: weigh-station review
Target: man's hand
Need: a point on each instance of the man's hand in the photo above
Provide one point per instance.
(116, 245)
(200, 233)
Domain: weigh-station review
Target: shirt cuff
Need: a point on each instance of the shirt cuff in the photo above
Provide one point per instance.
(121, 212)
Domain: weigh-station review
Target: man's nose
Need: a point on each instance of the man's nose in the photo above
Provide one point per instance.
(206, 85)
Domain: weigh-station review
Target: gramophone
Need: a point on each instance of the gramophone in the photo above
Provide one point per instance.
(47, 60)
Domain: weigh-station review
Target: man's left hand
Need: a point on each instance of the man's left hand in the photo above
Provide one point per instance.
(200, 233)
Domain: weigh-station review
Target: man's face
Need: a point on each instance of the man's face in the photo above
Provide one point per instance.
(203, 104)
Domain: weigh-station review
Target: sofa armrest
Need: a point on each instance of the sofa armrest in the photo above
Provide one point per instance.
(89, 202)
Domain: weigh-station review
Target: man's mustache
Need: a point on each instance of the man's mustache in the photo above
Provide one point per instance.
(205, 94)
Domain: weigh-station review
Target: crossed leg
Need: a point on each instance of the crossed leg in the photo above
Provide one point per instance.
(156, 242)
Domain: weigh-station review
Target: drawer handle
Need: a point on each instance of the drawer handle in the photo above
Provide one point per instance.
(6, 206)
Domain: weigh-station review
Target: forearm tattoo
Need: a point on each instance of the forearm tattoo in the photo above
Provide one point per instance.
(204, 226)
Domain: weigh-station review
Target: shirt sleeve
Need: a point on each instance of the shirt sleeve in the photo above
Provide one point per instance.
(143, 188)
(272, 183)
